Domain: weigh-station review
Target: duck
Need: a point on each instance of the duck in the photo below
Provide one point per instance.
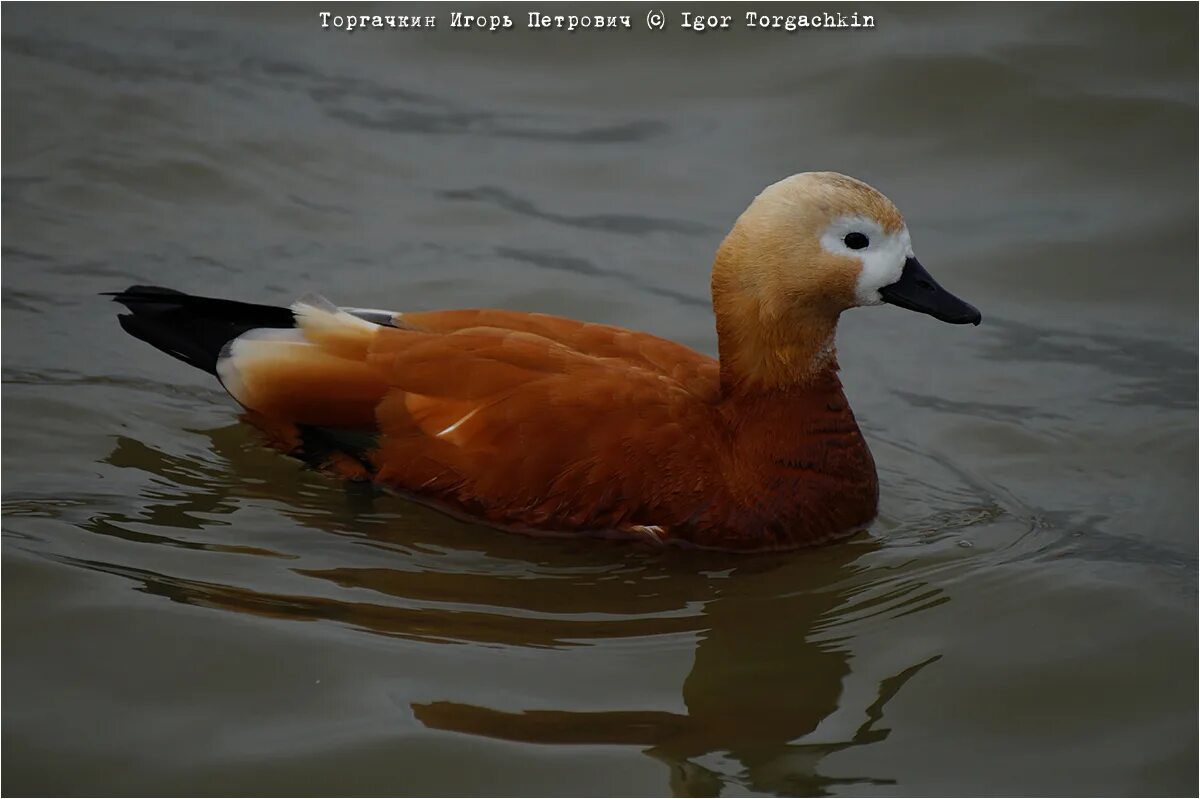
(541, 424)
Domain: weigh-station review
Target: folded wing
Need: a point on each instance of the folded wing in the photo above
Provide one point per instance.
(527, 420)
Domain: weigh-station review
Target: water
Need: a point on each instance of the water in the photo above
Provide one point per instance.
(186, 611)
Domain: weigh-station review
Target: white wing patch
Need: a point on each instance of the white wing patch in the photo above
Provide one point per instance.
(320, 326)
(264, 343)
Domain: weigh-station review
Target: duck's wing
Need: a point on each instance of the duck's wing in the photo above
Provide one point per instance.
(694, 371)
(519, 427)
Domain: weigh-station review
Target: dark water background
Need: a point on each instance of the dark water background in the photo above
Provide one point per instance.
(184, 611)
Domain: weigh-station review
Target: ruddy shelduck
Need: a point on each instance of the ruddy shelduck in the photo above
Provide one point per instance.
(538, 423)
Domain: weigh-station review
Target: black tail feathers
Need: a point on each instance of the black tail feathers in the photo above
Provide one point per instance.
(192, 329)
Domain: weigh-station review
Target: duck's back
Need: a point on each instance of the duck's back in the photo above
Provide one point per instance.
(697, 373)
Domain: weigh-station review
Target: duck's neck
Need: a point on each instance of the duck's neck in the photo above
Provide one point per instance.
(797, 449)
(766, 348)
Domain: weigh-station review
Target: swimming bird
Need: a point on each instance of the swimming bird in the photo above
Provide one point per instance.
(538, 423)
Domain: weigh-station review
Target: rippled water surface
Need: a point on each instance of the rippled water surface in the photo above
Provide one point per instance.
(186, 611)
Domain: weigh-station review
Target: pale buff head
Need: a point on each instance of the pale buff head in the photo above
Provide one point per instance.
(807, 248)
(815, 243)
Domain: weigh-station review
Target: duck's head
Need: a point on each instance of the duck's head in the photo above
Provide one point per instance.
(809, 247)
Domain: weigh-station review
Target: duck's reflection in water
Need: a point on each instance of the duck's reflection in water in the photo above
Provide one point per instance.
(769, 666)
(758, 685)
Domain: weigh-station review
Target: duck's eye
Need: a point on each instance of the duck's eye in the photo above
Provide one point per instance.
(856, 241)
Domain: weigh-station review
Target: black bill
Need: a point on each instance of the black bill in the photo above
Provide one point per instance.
(916, 290)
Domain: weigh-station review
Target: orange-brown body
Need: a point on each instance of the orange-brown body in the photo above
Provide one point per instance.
(541, 423)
